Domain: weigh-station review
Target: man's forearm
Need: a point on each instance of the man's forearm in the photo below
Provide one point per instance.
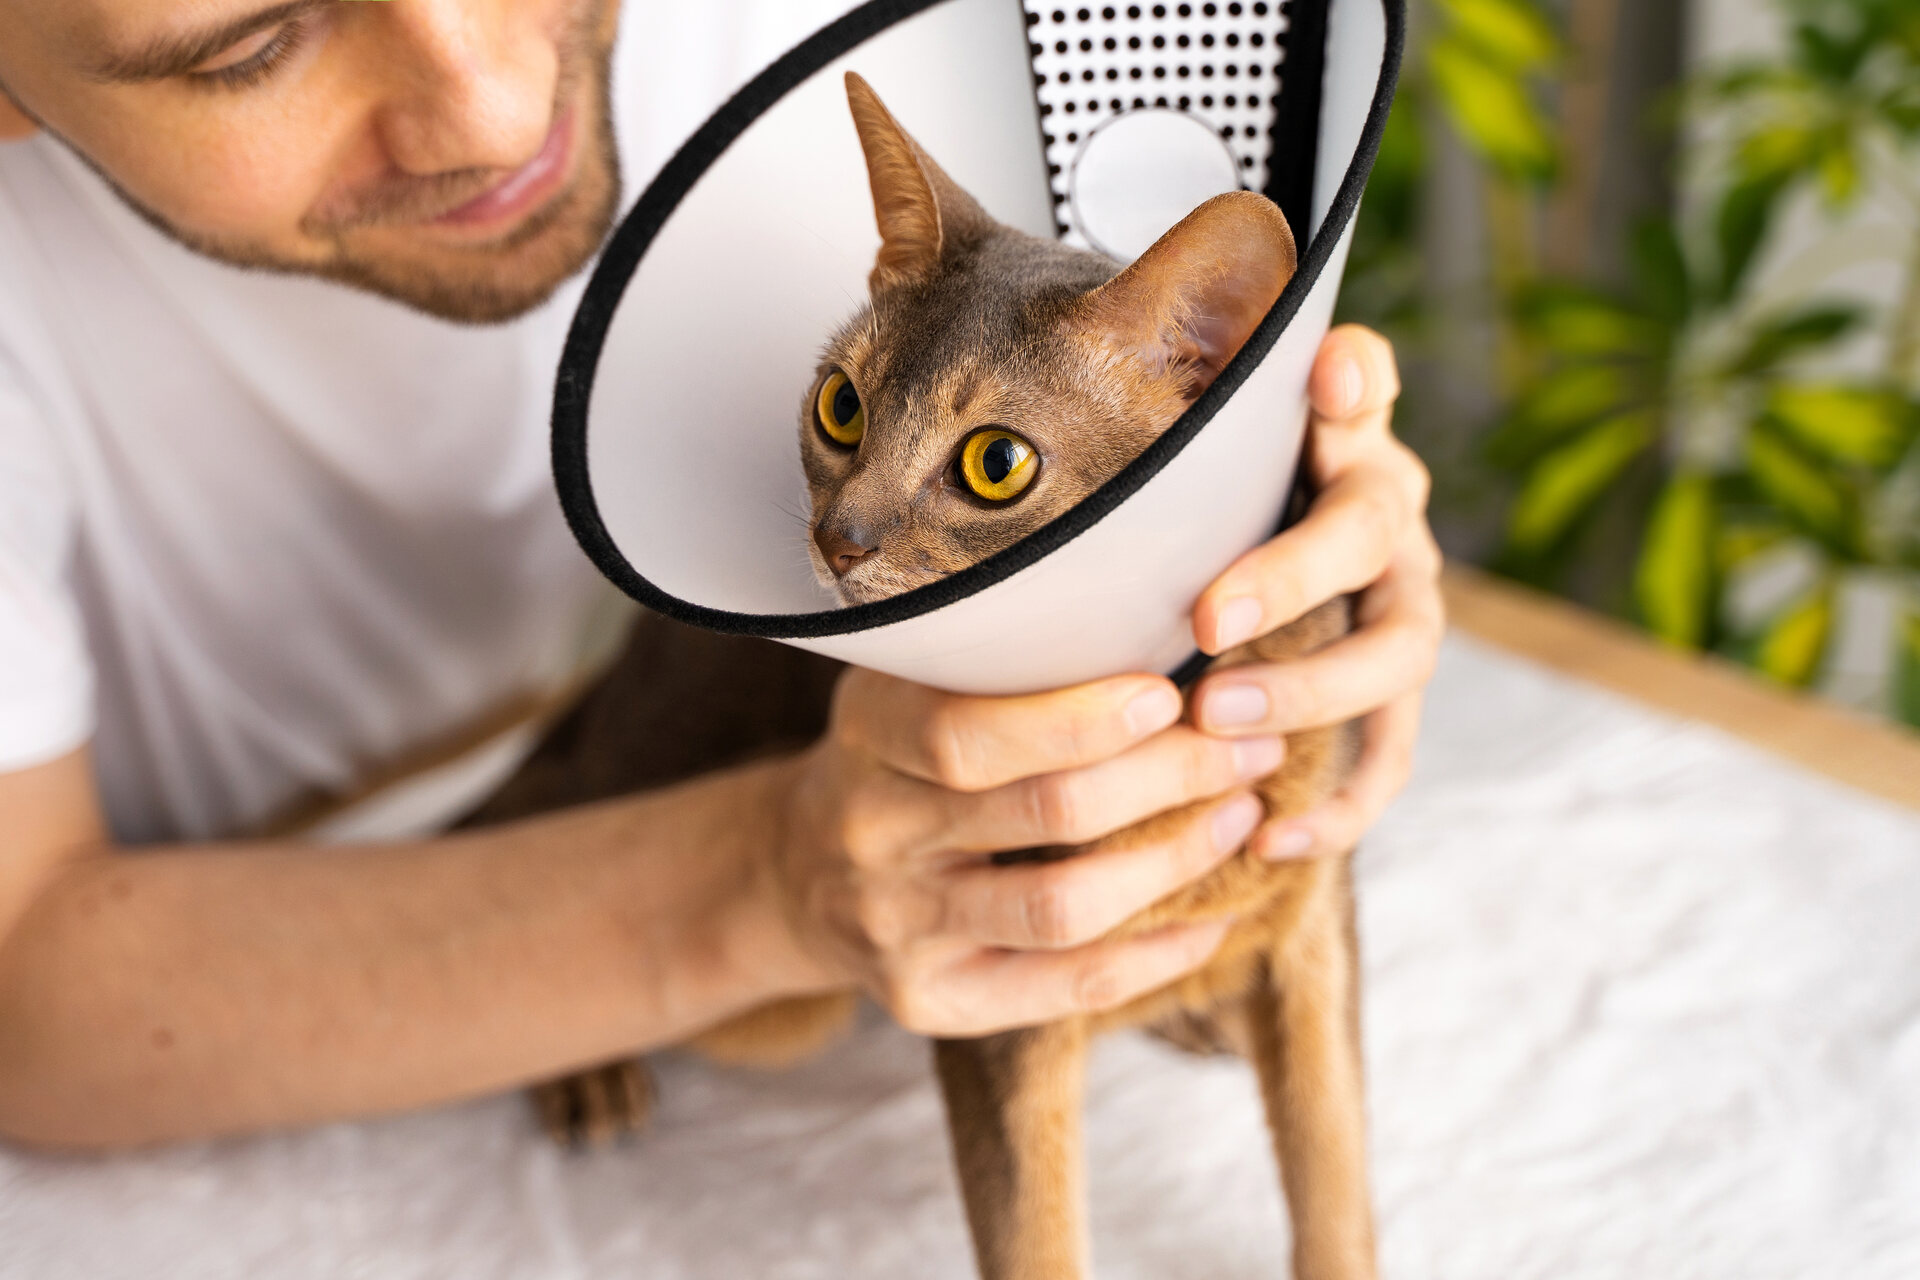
(197, 990)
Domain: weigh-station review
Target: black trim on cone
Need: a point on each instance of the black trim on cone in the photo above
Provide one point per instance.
(579, 360)
(1297, 114)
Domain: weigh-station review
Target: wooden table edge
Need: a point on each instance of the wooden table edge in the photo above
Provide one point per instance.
(1873, 755)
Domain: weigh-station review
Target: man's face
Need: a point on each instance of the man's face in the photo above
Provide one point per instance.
(454, 155)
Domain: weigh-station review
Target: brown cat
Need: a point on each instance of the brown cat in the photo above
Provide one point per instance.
(993, 381)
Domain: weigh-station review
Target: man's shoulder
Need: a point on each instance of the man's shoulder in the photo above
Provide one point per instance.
(18, 193)
(43, 224)
(21, 329)
(36, 195)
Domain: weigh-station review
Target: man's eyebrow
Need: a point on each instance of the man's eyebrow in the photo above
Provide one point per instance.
(174, 55)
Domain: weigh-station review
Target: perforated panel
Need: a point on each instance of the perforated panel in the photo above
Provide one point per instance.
(1218, 62)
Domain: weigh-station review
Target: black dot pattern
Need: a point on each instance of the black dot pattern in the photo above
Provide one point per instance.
(1221, 62)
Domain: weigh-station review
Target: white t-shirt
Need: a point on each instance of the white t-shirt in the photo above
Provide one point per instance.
(260, 535)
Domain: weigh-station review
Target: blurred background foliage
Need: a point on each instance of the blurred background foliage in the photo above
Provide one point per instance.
(1565, 237)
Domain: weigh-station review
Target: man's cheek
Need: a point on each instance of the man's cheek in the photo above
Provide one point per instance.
(252, 185)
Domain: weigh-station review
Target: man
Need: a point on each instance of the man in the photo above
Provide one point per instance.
(266, 535)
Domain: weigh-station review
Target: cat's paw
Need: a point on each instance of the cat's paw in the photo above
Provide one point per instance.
(596, 1107)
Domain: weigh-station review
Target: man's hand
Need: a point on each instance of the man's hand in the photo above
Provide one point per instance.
(883, 863)
(1366, 532)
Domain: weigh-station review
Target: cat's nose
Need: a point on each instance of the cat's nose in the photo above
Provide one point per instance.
(844, 548)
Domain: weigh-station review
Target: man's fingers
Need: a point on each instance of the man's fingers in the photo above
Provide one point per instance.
(1386, 760)
(975, 744)
(1373, 488)
(1393, 651)
(1174, 768)
(1055, 905)
(1354, 374)
(1346, 541)
(997, 990)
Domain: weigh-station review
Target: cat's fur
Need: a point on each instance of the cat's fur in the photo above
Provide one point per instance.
(972, 323)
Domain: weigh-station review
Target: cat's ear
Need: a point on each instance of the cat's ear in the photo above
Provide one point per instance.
(921, 211)
(1190, 302)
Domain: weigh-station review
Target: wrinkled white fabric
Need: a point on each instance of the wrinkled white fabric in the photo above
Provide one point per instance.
(1641, 1001)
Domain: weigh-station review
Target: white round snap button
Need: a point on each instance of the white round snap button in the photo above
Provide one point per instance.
(1141, 172)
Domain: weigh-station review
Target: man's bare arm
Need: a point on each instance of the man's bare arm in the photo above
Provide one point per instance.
(182, 991)
(191, 990)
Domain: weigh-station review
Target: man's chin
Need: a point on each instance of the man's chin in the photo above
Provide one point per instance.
(459, 300)
(483, 284)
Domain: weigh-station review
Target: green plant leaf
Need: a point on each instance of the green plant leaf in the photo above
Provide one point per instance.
(1738, 540)
(1567, 398)
(1512, 34)
(1907, 683)
(1903, 29)
(1744, 80)
(1740, 227)
(1797, 487)
(1839, 172)
(1901, 109)
(1863, 425)
(1828, 56)
(1661, 270)
(1575, 321)
(1565, 483)
(1492, 110)
(1779, 339)
(1774, 152)
(1674, 580)
(1792, 645)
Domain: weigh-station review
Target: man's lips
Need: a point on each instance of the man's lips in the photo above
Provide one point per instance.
(526, 188)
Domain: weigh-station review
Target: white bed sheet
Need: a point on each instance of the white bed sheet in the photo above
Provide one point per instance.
(1641, 1002)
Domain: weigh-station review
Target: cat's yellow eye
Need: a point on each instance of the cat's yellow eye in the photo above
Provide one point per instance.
(998, 465)
(837, 409)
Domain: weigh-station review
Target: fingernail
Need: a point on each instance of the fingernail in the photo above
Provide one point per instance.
(1237, 623)
(1258, 757)
(1152, 711)
(1234, 821)
(1351, 383)
(1290, 841)
(1234, 705)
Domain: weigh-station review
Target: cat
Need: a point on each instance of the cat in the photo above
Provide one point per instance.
(992, 381)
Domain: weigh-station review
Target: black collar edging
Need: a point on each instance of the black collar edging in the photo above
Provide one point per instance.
(573, 386)
(1297, 115)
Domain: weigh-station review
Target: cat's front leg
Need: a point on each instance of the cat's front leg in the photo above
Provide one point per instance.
(1305, 1029)
(1013, 1105)
(595, 1107)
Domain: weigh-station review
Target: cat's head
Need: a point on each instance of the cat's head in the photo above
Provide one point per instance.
(994, 379)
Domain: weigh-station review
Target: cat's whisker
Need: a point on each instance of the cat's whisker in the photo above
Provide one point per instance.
(794, 513)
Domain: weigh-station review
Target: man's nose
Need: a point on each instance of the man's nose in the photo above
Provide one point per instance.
(474, 87)
(844, 546)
